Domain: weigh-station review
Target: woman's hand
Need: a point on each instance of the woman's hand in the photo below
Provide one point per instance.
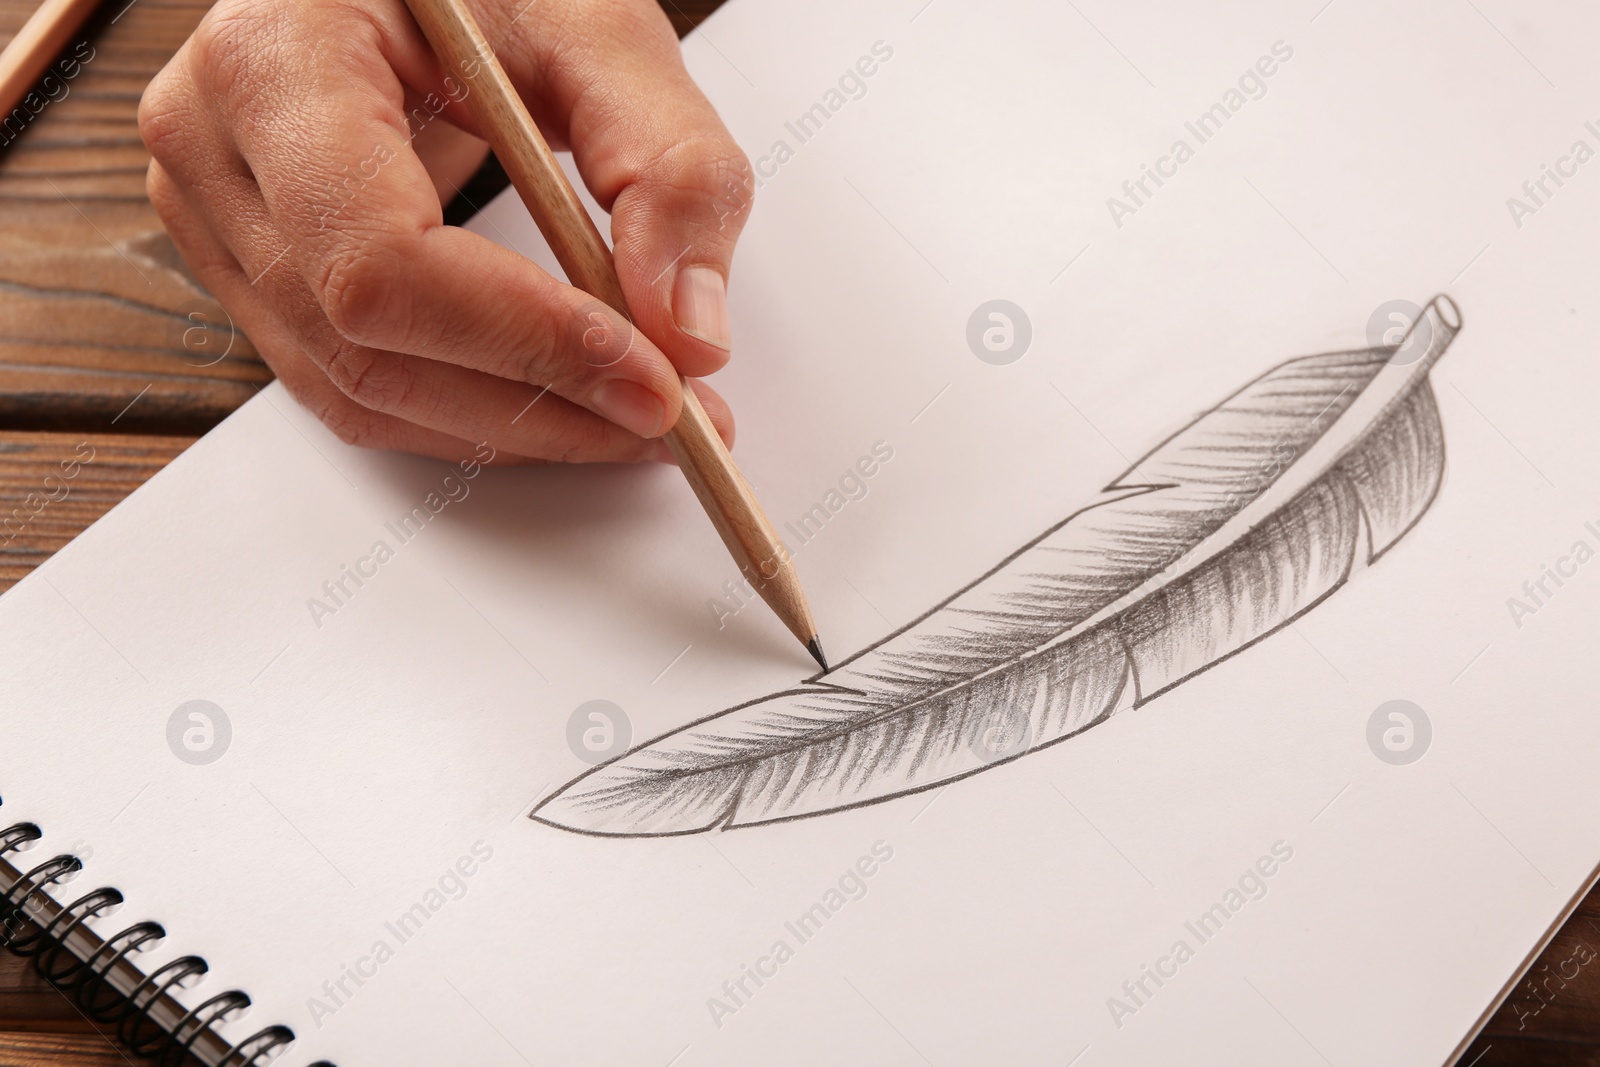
(302, 149)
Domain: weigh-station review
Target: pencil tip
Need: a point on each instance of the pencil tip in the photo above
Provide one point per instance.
(814, 647)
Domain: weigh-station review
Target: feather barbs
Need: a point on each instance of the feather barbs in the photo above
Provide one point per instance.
(1232, 528)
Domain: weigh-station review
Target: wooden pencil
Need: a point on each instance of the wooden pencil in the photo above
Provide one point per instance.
(504, 120)
(40, 40)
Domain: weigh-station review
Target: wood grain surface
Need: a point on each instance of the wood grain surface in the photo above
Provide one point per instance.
(56, 1050)
(52, 486)
(112, 359)
(95, 305)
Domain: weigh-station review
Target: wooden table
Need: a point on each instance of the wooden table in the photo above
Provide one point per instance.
(99, 342)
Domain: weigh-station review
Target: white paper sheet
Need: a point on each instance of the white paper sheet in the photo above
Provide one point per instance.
(404, 736)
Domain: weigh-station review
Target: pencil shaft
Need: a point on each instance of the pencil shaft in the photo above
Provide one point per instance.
(39, 41)
(582, 252)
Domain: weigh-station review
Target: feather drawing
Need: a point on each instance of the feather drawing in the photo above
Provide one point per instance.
(1226, 532)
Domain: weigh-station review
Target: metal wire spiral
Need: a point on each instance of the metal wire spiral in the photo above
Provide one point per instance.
(87, 982)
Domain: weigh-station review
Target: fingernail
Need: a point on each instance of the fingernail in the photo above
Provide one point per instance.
(700, 304)
(631, 406)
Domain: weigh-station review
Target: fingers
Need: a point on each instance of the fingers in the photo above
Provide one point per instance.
(717, 410)
(217, 269)
(372, 397)
(314, 115)
(652, 150)
(288, 140)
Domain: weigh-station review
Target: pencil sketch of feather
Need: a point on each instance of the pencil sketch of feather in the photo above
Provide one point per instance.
(1228, 531)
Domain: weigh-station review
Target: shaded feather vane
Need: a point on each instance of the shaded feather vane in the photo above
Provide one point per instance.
(1228, 531)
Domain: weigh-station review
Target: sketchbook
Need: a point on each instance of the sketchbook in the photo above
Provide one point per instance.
(1182, 421)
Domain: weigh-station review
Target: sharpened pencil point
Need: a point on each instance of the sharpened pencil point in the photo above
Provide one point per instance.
(814, 647)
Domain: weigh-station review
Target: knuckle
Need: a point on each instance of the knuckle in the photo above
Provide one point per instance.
(184, 227)
(163, 115)
(162, 193)
(706, 182)
(551, 357)
(593, 440)
(362, 293)
(375, 380)
(705, 164)
(350, 423)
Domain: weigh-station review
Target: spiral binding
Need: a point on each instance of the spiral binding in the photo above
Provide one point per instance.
(87, 981)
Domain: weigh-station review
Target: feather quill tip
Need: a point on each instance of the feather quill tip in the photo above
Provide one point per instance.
(814, 647)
